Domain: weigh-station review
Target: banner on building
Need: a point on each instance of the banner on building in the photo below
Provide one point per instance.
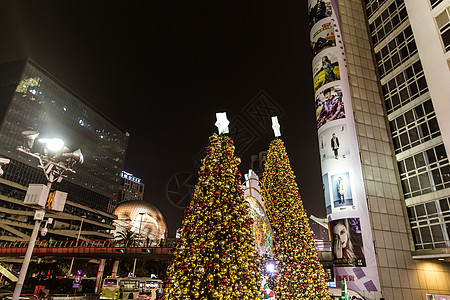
(345, 197)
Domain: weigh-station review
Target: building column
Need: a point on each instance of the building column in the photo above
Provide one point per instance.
(115, 268)
(101, 268)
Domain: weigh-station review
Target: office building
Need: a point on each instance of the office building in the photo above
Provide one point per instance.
(32, 99)
(132, 188)
(382, 85)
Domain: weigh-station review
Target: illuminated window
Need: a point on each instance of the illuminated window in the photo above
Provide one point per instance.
(435, 3)
(414, 127)
(405, 87)
(425, 172)
(398, 50)
(443, 24)
(387, 21)
(430, 224)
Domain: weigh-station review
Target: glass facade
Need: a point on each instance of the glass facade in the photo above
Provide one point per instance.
(430, 224)
(32, 99)
(421, 156)
(443, 23)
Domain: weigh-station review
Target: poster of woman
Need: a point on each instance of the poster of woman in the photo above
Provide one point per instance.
(322, 38)
(326, 70)
(329, 105)
(347, 243)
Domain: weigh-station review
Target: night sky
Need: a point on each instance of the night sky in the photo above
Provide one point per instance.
(162, 70)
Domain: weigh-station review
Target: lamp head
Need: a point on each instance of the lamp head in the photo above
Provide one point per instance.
(72, 158)
(78, 156)
(30, 136)
(53, 145)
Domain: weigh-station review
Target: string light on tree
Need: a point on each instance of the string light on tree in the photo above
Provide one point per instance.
(215, 257)
(299, 273)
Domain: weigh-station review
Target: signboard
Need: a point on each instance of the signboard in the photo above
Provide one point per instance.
(77, 280)
(438, 297)
(129, 176)
(345, 197)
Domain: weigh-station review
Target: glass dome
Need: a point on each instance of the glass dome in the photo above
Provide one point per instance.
(140, 217)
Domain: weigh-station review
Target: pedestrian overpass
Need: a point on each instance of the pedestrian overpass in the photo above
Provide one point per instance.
(91, 249)
(108, 249)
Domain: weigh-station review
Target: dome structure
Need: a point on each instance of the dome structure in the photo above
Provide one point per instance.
(142, 218)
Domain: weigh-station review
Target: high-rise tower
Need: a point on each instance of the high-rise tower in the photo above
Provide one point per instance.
(32, 99)
(382, 86)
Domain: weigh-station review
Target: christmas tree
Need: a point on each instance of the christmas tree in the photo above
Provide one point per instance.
(215, 257)
(299, 274)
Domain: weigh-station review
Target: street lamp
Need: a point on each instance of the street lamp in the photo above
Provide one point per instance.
(140, 226)
(76, 245)
(55, 162)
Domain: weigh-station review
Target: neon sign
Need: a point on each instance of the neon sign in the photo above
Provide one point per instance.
(129, 176)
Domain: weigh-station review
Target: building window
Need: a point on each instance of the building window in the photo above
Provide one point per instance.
(443, 24)
(388, 20)
(430, 223)
(398, 50)
(373, 5)
(414, 127)
(425, 172)
(435, 3)
(404, 87)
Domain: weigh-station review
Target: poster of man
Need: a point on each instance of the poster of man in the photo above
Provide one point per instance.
(347, 243)
(329, 105)
(334, 145)
(317, 10)
(322, 38)
(325, 70)
(341, 190)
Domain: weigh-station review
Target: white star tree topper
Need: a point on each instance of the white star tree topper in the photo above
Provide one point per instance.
(276, 126)
(222, 122)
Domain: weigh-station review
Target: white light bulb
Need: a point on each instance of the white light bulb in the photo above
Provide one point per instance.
(270, 268)
(53, 144)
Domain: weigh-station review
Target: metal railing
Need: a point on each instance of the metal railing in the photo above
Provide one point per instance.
(165, 243)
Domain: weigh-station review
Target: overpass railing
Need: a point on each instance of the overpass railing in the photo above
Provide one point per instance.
(166, 243)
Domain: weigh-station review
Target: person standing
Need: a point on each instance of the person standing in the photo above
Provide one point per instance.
(335, 145)
(328, 68)
(341, 191)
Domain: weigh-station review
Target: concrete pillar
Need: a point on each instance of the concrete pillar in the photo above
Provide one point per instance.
(115, 268)
(101, 268)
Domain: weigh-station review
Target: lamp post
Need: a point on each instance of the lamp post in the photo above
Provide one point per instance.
(140, 226)
(56, 161)
(76, 245)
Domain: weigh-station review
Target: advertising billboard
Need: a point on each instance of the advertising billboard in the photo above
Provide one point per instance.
(322, 38)
(343, 185)
(325, 69)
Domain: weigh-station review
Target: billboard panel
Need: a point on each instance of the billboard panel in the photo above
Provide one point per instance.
(329, 105)
(322, 37)
(325, 69)
(343, 185)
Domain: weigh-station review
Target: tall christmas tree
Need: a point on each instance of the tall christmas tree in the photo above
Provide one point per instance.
(299, 273)
(215, 257)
